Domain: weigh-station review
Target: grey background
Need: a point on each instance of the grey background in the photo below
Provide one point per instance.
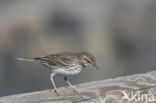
(120, 33)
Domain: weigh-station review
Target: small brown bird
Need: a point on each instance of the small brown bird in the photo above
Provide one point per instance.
(66, 64)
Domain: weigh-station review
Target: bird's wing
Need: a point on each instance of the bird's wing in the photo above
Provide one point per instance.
(59, 60)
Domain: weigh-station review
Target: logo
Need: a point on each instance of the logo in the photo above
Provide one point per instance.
(134, 96)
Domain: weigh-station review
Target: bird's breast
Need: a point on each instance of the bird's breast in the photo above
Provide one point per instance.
(73, 70)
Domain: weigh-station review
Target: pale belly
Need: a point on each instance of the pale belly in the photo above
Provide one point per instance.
(69, 71)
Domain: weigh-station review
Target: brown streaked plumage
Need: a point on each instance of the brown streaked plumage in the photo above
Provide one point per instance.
(60, 59)
(65, 63)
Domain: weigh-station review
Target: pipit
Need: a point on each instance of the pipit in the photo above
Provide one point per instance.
(66, 64)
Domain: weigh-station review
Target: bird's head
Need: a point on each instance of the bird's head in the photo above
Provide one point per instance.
(87, 59)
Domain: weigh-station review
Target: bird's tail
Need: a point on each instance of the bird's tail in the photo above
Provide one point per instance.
(24, 59)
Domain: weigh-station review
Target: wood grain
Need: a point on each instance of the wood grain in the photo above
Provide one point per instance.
(103, 91)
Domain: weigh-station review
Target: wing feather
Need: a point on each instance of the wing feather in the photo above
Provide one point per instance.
(60, 60)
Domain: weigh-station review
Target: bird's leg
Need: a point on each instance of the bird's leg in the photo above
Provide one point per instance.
(55, 89)
(72, 87)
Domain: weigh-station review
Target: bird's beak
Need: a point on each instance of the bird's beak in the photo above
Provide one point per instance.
(97, 67)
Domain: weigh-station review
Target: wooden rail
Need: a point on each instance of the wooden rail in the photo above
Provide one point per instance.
(103, 91)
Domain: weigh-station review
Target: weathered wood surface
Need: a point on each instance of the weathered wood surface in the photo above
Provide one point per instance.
(104, 91)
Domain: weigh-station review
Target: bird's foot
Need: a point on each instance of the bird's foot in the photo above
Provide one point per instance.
(56, 91)
(77, 92)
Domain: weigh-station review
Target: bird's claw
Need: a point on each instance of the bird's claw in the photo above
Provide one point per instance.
(58, 92)
(77, 93)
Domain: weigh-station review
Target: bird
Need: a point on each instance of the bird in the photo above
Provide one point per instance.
(65, 64)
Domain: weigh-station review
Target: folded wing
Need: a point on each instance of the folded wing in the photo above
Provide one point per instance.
(60, 60)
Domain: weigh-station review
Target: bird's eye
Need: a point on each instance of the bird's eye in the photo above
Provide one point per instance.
(87, 61)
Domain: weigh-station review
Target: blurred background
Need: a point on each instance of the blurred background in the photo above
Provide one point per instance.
(120, 33)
